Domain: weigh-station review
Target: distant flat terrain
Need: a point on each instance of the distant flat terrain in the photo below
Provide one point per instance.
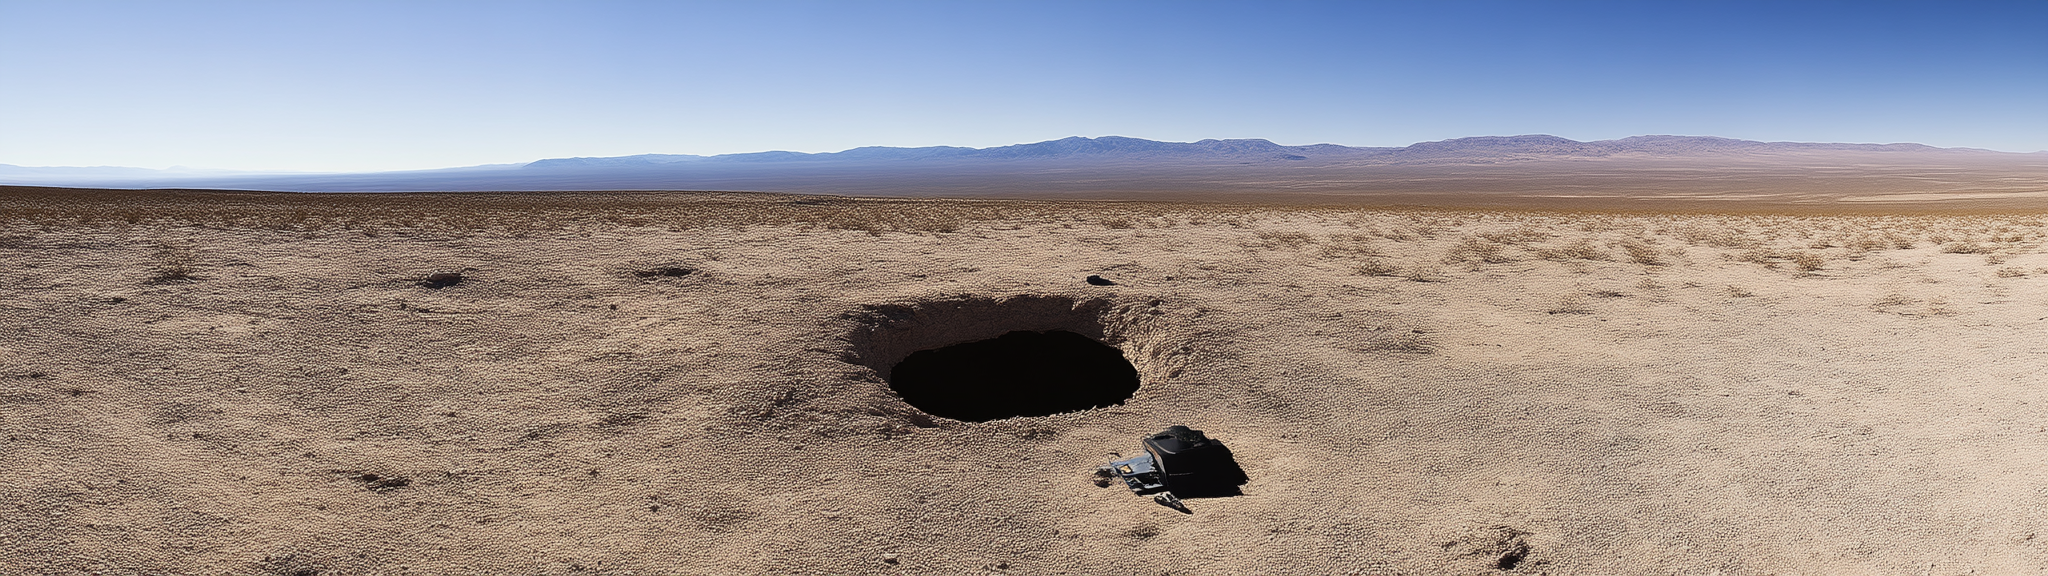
(202, 382)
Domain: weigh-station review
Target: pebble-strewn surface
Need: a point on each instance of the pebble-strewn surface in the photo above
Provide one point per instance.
(637, 388)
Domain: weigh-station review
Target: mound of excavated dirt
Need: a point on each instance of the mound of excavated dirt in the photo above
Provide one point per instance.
(716, 384)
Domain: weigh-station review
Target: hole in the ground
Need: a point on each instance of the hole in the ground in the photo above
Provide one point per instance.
(1021, 373)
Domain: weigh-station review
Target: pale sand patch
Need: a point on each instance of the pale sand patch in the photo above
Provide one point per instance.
(302, 406)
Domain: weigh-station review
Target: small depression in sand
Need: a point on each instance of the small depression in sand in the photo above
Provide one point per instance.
(1021, 373)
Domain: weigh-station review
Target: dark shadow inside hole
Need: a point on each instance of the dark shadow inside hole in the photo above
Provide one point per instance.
(1016, 374)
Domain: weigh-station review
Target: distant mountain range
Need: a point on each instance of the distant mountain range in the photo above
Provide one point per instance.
(1476, 169)
(1479, 149)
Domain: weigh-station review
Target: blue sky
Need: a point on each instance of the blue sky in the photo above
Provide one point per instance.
(347, 86)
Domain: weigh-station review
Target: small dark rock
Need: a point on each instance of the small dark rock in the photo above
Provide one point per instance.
(378, 483)
(1100, 281)
(441, 280)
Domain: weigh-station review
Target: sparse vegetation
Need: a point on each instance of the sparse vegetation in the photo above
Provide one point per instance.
(1642, 253)
(1571, 304)
(1478, 250)
(1808, 261)
(173, 264)
(1376, 267)
(1423, 274)
(1581, 249)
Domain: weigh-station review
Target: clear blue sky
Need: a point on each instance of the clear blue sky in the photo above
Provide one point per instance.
(422, 84)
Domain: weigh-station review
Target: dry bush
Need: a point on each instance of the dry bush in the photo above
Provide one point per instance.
(1571, 304)
(1938, 306)
(173, 263)
(1376, 267)
(1581, 249)
(1808, 261)
(1964, 248)
(1649, 283)
(1476, 249)
(1717, 238)
(1867, 244)
(1117, 223)
(1398, 235)
(2012, 272)
(1423, 274)
(1350, 246)
(1642, 253)
(1994, 258)
(1272, 239)
(1518, 236)
(1893, 299)
(1739, 292)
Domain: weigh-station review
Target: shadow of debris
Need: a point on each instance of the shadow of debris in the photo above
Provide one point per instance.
(1215, 475)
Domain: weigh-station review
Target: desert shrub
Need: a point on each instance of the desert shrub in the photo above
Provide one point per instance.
(1807, 261)
(1642, 253)
(1522, 235)
(1964, 248)
(1767, 258)
(1868, 244)
(1938, 306)
(1376, 267)
(1423, 274)
(173, 263)
(1273, 239)
(1739, 292)
(1718, 238)
(1582, 249)
(1476, 249)
(1349, 247)
(1571, 304)
(2012, 272)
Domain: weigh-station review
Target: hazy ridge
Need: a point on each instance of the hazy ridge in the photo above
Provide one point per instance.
(1477, 170)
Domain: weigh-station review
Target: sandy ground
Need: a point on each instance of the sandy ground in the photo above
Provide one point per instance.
(1410, 391)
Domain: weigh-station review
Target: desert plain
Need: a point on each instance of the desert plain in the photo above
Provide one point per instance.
(200, 382)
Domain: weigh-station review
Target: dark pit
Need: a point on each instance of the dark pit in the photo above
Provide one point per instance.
(1021, 373)
(665, 272)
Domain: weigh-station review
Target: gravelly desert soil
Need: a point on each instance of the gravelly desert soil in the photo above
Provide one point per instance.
(667, 384)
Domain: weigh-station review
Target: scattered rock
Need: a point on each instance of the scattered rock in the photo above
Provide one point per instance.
(890, 558)
(1100, 281)
(290, 565)
(441, 280)
(377, 483)
(1503, 547)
